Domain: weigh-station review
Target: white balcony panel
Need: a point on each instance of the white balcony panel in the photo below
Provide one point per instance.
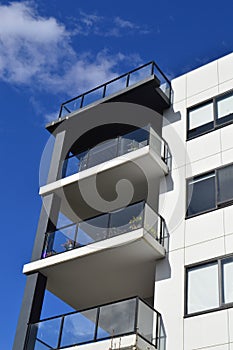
(144, 157)
(126, 342)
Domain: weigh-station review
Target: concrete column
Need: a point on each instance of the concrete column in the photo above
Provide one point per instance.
(31, 308)
(36, 283)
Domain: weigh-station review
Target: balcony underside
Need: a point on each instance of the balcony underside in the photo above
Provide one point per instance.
(99, 271)
(94, 190)
(145, 93)
(127, 342)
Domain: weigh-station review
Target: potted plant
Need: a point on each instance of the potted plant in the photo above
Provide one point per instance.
(69, 244)
(135, 222)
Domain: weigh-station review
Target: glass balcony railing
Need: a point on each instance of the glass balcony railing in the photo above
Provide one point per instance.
(117, 147)
(105, 226)
(115, 85)
(118, 319)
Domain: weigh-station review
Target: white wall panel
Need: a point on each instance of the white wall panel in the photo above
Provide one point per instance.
(204, 227)
(203, 146)
(202, 79)
(206, 330)
(169, 297)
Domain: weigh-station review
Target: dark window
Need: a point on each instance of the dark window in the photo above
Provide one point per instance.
(201, 194)
(210, 191)
(207, 116)
(209, 286)
(225, 184)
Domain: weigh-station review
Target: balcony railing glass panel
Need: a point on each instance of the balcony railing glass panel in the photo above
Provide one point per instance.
(93, 230)
(115, 85)
(131, 316)
(116, 147)
(79, 328)
(116, 319)
(105, 151)
(126, 220)
(135, 216)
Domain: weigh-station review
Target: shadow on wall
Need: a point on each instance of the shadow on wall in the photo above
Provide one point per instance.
(171, 116)
(163, 270)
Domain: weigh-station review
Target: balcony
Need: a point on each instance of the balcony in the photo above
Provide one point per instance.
(113, 86)
(114, 148)
(140, 156)
(146, 85)
(102, 252)
(126, 324)
(122, 221)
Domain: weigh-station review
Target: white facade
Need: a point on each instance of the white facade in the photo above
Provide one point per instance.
(202, 237)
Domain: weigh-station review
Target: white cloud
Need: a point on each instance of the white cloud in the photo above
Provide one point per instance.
(93, 24)
(37, 52)
(29, 44)
(125, 24)
(20, 20)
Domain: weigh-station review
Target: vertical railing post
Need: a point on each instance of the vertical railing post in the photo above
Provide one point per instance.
(118, 145)
(82, 100)
(152, 68)
(127, 80)
(97, 323)
(136, 316)
(161, 231)
(60, 332)
(104, 91)
(157, 330)
(60, 112)
(108, 226)
(76, 235)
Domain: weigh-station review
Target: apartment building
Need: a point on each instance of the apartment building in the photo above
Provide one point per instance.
(136, 228)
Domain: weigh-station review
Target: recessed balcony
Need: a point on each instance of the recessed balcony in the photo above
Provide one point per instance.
(125, 324)
(102, 252)
(116, 147)
(146, 85)
(102, 227)
(140, 156)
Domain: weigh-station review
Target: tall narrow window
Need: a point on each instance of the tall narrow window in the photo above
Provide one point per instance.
(200, 120)
(224, 109)
(201, 194)
(203, 288)
(225, 184)
(209, 286)
(227, 273)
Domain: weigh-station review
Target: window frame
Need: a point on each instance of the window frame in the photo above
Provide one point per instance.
(222, 305)
(214, 100)
(218, 205)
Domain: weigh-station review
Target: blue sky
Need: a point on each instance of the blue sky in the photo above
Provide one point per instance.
(53, 50)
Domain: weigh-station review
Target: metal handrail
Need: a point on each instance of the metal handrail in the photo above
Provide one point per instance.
(104, 85)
